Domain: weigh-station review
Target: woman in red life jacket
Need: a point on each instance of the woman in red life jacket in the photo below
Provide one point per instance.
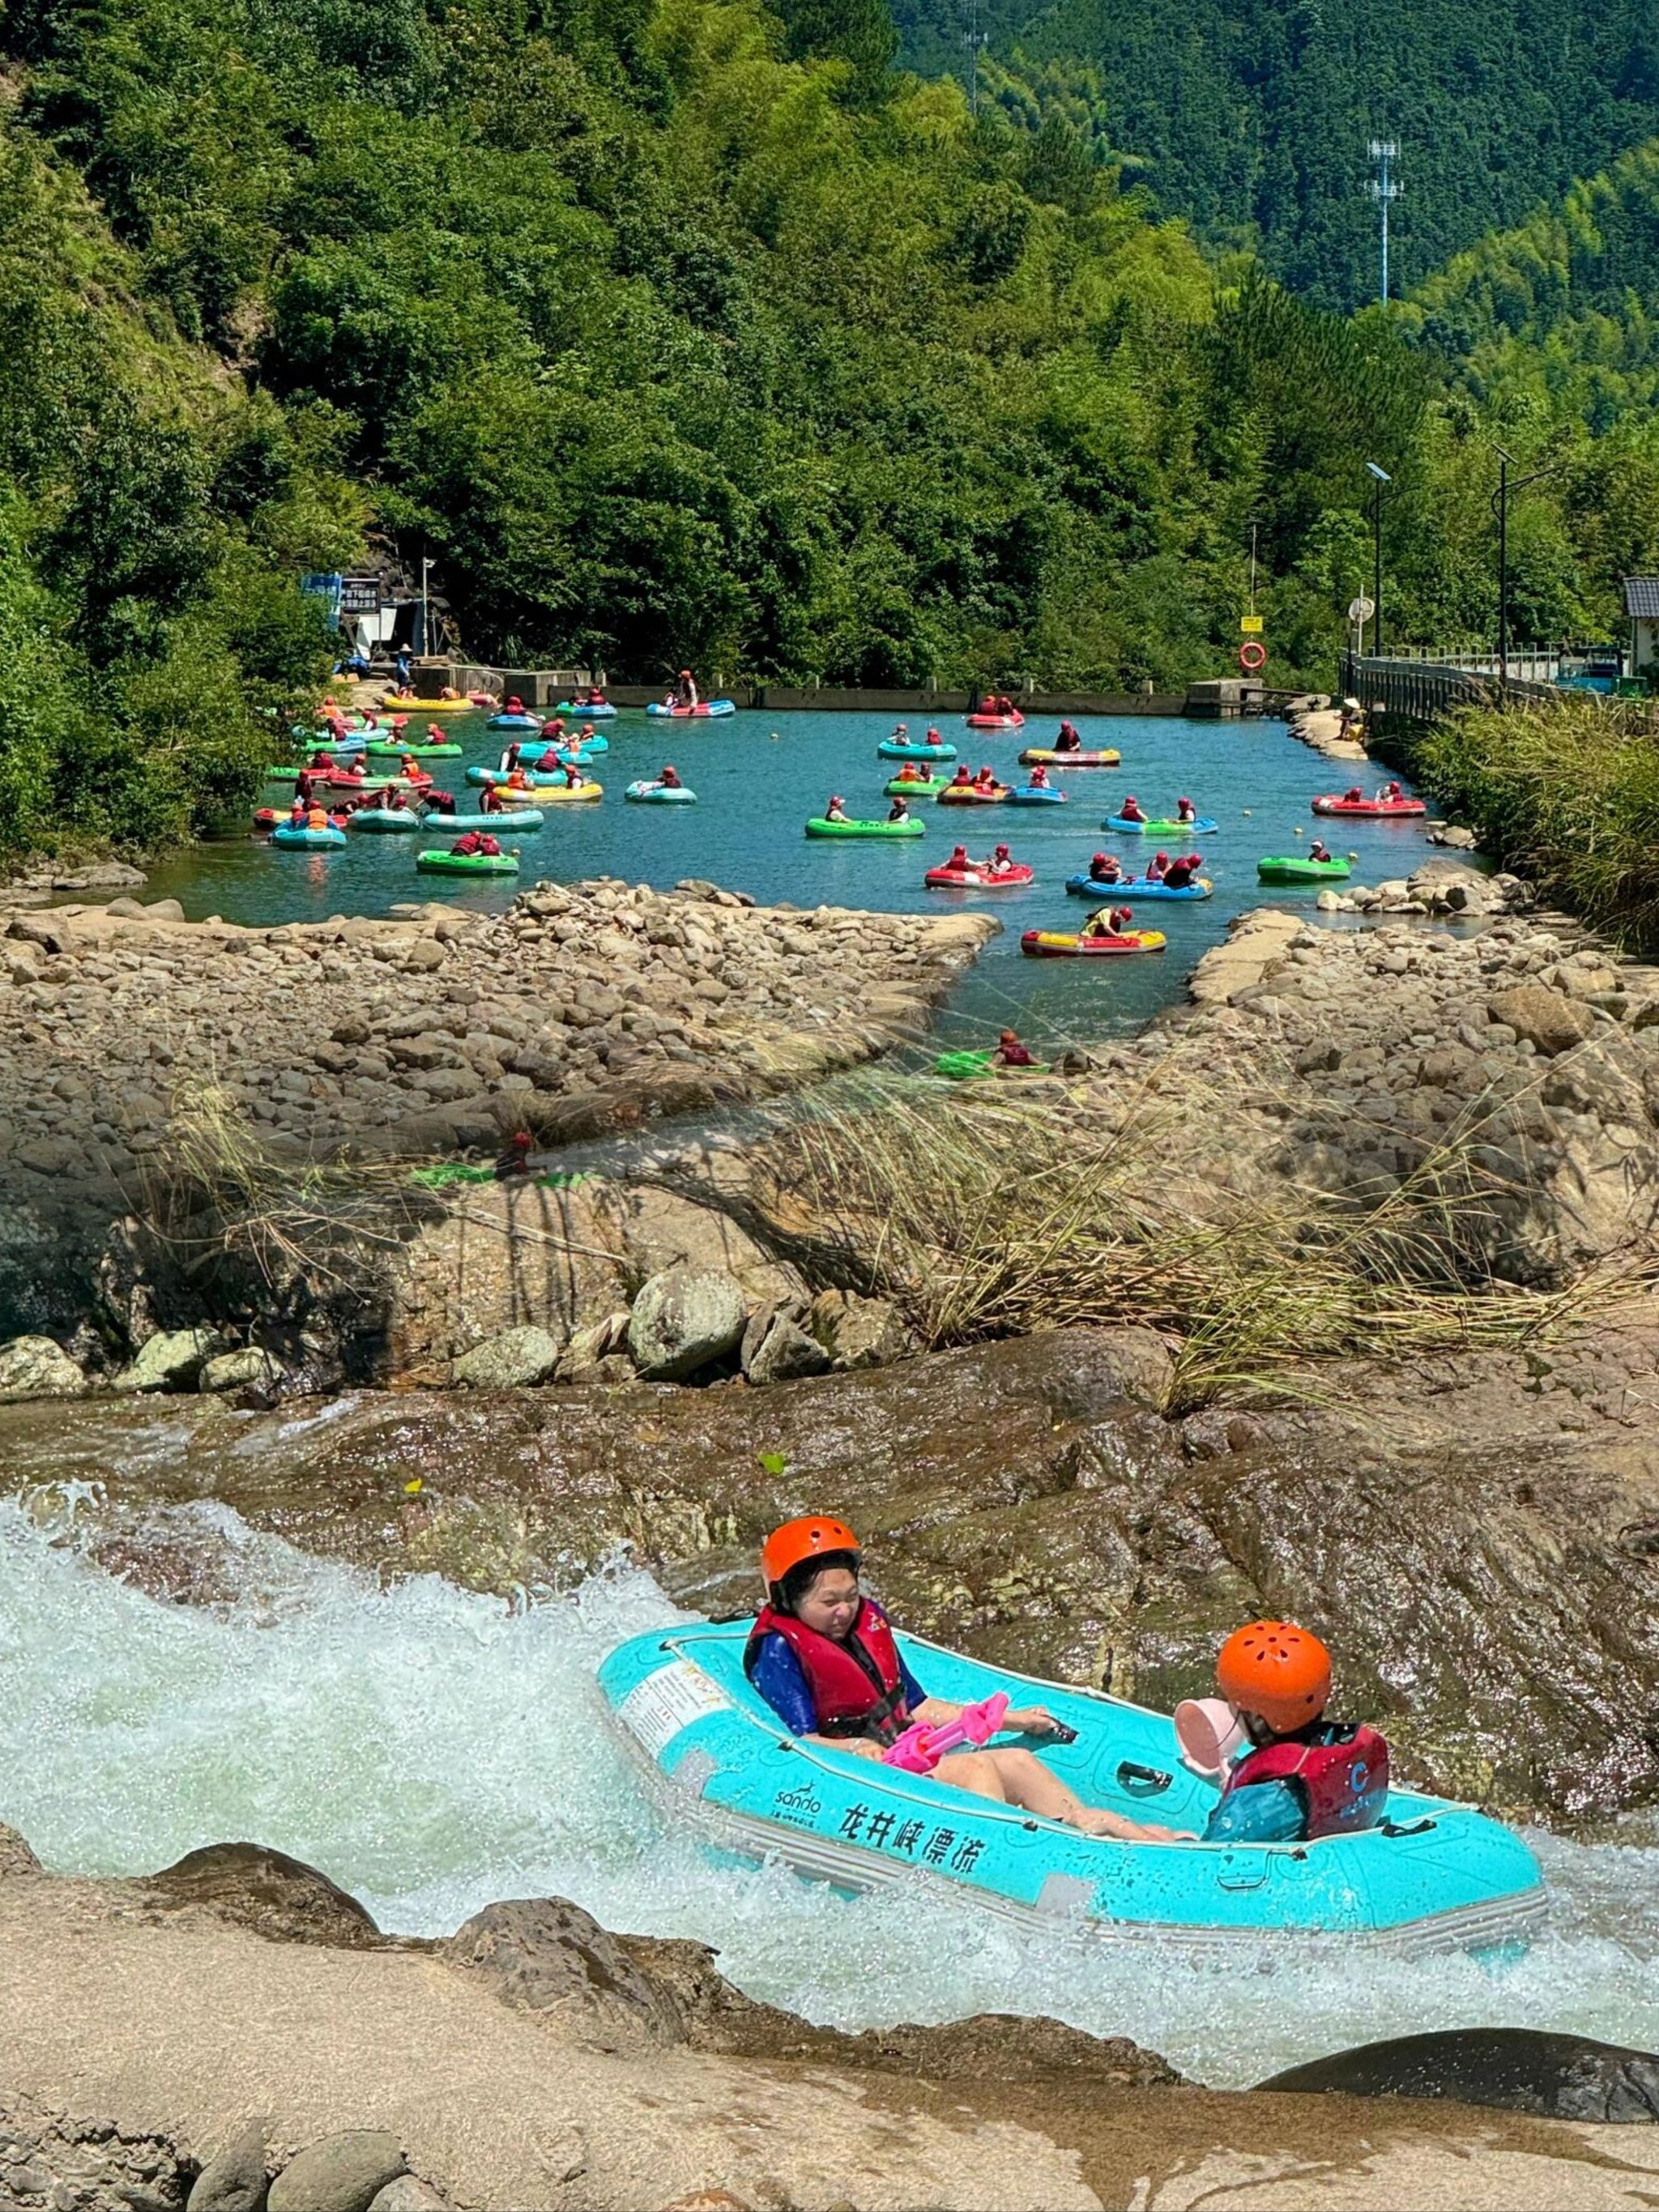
(469, 842)
(836, 810)
(986, 780)
(964, 778)
(1302, 1777)
(1011, 1053)
(1130, 809)
(1319, 850)
(959, 859)
(1353, 796)
(1105, 868)
(824, 1658)
(1185, 811)
(1156, 867)
(1180, 872)
(490, 800)
(1039, 778)
(1001, 861)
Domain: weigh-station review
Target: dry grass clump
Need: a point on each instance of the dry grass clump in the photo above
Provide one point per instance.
(217, 1195)
(989, 1213)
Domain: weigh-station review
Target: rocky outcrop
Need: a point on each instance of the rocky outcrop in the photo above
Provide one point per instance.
(342, 2172)
(252, 1886)
(1520, 1060)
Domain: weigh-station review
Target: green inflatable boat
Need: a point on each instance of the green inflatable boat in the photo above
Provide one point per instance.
(439, 860)
(821, 826)
(1291, 870)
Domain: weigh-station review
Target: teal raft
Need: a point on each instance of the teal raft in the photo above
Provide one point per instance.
(1435, 1876)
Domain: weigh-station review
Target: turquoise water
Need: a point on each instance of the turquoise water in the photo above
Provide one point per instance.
(759, 776)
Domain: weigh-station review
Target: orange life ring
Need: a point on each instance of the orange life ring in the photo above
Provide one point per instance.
(1253, 656)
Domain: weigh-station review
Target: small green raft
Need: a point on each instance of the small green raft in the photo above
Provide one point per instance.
(1288, 869)
(821, 826)
(439, 860)
(959, 1066)
(380, 748)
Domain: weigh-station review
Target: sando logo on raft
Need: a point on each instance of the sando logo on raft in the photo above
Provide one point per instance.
(797, 1804)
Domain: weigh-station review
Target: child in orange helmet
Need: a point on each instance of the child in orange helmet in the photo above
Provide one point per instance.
(826, 1659)
(1301, 1776)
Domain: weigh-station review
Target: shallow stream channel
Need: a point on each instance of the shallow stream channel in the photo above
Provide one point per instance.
(433, 1750)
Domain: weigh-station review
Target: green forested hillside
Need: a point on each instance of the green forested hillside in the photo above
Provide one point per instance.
(1252, 117)
(1563, 311)
(674, 331)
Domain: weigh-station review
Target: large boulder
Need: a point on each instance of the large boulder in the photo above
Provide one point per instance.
(279, 1897)
(345, 2172)
(15, 1855)
(516, 1359)
(543, 1954)
(234, 2178)
(1548, 1021)
(777, 1349)
(248, 1368)
(859, 1332)
(171, 1360)
(36, 1367)
(683, 1320)
(1522, 2069)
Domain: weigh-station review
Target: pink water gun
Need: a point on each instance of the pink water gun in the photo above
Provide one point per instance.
(921, 1749)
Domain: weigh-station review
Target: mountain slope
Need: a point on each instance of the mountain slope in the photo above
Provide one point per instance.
(1253, 117)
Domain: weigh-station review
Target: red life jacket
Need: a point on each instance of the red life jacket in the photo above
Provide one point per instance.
(1345, 1781)
(857, 1686)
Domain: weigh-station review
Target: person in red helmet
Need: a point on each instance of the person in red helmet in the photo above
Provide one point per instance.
(1039, 778)
(669, 778)
(836, 810)
(900, 809)
(1069, 741)
(1130, 809)
(1002, 859)
(1156, 867)
(964, 778)
(1185, 811)
(685, 689)
(1302, 1777)
(1011, 1053)
(1179, 875)
(826, 1660)
(1353, 796)
(1105, 868)
(959, 859)
(514, 1158)
(1319, 851)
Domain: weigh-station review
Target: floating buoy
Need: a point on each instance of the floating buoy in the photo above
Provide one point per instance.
(1300, 831)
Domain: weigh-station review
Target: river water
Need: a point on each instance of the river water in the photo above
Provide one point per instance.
(433, 1750)
(759, 776)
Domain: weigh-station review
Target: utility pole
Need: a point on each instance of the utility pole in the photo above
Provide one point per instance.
(1502, 569)
(1379, 478)
(974, 40)
(1385, 189)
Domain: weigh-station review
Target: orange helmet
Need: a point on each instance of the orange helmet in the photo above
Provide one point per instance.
(805, 1539)
(1278, 1671)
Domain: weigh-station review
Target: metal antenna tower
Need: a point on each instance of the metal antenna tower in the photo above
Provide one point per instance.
(1385, 190)
(975, 41)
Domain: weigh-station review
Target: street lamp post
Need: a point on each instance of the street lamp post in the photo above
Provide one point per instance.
(1500, 500)
(1379, 478)
(425, 611)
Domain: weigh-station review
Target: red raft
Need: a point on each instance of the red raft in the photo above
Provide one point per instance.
(977, 879)
(1371, 810)
(1015, 721)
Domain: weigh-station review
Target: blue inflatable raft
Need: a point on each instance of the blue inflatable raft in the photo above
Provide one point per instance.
(514, 722)
(1136, 887)
(660, 795)
(1435, 1876)
(1204, 827)
(540, 748)
(1034, 794)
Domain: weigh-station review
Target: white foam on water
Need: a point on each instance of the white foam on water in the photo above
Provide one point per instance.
(432, 1750)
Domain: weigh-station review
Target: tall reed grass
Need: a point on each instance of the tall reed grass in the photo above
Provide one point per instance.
(1565, 794)
(991, 1213)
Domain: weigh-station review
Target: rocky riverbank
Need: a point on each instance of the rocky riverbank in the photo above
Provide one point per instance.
(431, 1034)
(235, 2035)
